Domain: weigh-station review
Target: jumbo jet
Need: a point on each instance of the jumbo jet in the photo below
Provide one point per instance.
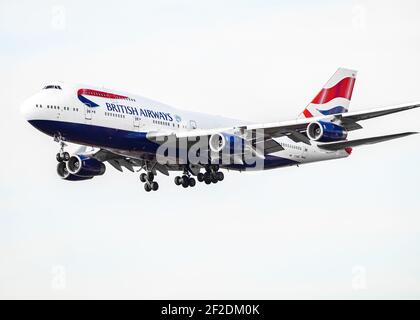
(138, 134)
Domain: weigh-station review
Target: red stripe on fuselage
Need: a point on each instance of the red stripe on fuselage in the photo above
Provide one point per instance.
(102, 94)
(343, 89)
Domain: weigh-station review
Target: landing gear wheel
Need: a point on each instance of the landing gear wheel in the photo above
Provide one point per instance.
(207, 180)
(178, 180)
(150, 176)
(191, 182)
(220, 176)
(143, 177)
(66, 156)
(185, 183)
(59, 158)
(207, 176)
(200, 177)
(147, 187)
(154, 185)
(185, 179)
(214, 179)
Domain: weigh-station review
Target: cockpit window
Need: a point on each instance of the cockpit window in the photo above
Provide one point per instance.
(52, 87)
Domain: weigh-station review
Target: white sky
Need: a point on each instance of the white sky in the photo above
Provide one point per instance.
(288, 233)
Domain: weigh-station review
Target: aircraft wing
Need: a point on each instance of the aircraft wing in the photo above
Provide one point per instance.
(294, 129)
(263, 142)
(119, 162)
(347, 120)
(334, 146)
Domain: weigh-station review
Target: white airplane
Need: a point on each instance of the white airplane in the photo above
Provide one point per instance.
(128, 131)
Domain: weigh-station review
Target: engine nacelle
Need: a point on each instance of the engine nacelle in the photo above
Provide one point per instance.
(325, 131)
(85, 166)
(66, 175)
(226, 142)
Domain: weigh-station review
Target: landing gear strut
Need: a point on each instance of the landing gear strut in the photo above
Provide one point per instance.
(62, 155)
(147, 177)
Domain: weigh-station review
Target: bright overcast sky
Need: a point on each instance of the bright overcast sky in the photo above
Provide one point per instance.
(340, 229)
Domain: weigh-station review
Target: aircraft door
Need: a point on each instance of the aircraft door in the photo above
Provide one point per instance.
(304, 151)
(136, 123)
(58, 112)
(88, 112)
(193, 124)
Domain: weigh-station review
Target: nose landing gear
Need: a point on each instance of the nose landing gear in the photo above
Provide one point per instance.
(62, 156)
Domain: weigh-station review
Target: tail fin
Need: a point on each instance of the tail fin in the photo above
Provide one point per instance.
(334, 97)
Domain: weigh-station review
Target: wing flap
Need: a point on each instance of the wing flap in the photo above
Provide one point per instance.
(268, 146)
(115, 164)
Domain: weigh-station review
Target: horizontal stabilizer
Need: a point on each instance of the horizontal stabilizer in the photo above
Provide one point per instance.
(359, 142)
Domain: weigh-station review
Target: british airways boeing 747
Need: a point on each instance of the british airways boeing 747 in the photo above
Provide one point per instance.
(132, 132)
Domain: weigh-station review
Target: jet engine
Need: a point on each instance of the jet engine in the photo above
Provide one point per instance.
(325, 131)
(226, 142)
(66, 175)
(85, 166)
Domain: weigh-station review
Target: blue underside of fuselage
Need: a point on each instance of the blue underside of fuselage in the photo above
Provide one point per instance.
(110, 138)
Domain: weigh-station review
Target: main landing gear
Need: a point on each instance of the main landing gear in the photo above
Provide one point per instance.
(185, 181)
(212, 175)
(148, 180)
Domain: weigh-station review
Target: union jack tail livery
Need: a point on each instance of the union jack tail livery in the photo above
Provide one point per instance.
(334, 97)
